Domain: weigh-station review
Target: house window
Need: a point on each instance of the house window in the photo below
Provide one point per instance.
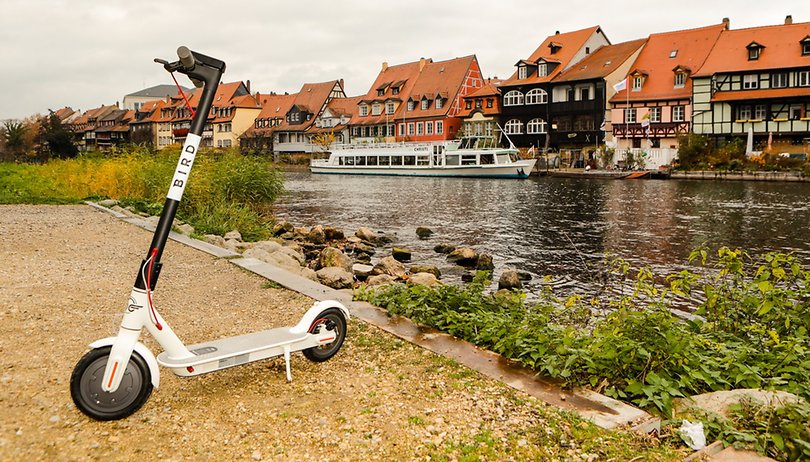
(796, 112)
(478, 104)
(744, 112)
(439, 102)
(363, 110)
(513, 98)
(542, 70)
(583, 123)
(678, 114)
(429, 128)
(779, 80)
(750, 82)
(680, 80)
(376, 109)
(468, 104)
(673, 54)
(439, 127)
(395, 91)
(513, 127)
(584, 93)
(655, 114)
(420, 128)
(806, 48)
(355, 131)
(489, 102)
(804, 78)
(760, 112)
(425, 103)
(536, 126)
(410, 128)
(637, 81)
(522, 72)
(536, 96)
(753, 53)
(380, 92)
(390, 107)
(411, 104)
(630, 115)
(401, 129)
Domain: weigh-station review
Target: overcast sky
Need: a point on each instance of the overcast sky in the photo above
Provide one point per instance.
(84, 54)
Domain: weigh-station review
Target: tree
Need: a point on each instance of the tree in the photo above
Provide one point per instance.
(324, 140)
(55, 139)
(14, 136)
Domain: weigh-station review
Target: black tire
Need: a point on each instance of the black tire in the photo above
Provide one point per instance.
(333, 319)
(85, 386)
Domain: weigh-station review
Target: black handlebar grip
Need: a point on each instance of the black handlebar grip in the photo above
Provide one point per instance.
(186, 58)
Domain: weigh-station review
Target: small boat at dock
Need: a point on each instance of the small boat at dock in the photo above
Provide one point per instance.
(473, 156)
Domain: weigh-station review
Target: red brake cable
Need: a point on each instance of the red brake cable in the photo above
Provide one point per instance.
(180, 89)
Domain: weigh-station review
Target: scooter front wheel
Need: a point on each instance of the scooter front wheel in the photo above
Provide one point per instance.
(85, 386)
(330, 319)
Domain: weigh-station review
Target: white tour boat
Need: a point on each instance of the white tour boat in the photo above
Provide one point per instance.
(472, 156)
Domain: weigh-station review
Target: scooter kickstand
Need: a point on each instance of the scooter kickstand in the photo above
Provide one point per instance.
(287, 362)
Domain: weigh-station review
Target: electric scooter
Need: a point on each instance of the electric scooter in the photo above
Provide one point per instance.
(115, 378)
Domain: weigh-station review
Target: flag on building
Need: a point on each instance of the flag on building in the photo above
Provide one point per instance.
(620, 86)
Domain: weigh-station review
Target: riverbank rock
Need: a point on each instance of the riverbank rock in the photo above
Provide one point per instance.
(467, 276)
(484, 262)
(720, 402)
(391, 267)
(361, 271)
(333, 234)
(379, 280)
(426, 269)
(444, 248)
(332, 257)
(213, 239)
(233, 236)
(423, 279)
(524, 276)
(336, 278)
(509, 280)
(316, 235)
(464, 256)
(108, 203)
(424, 233)
(301, 233)
(401, 254)
(282, 227)
(366, 234)
(186, 229)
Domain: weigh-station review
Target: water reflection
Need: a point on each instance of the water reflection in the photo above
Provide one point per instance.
(558, 226)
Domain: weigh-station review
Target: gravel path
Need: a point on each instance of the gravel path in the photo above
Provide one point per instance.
(65, 277)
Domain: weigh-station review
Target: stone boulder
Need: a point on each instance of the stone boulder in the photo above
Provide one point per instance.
(426, 269)
(484, 262)
(509, 280)
(330, 257)
(366, 234)
(401, 254)
(444, 248)
(333, 234)
(423, 279)
(186, 229)
(213, 239)
(464, 256)
(108, 203)
(423, 233)
(336, 278)
(301, 233)
(268, 246)
(282, 227)
(361, 271)
(233, 235)
(379, 280)
(317, 235)
(720, 402)
(309, 273)
(391, 267)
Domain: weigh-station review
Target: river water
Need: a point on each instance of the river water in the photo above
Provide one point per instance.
(561, 227)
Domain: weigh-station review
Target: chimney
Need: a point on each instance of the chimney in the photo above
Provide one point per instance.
(556, 32)
(385, 66)
(727, 23)
(247, 85)
(422, 62)
(341, 83)
(788, 20)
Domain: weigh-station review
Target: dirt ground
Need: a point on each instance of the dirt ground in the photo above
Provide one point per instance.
(64, 281)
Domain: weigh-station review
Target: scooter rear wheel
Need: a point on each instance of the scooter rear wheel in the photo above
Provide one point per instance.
(85, 386)
(332, 319)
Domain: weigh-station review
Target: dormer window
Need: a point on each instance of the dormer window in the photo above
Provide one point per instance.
(376, 109)
(637, 82)
(411, 104)
(380, 92)
(680, 79)
(805, 43)
(395, 91)
(523, 72)
(554, 47)
(754, 50)
(439, 102)
(542, 70)
(363, 110)
(425, 103)
(390, 107)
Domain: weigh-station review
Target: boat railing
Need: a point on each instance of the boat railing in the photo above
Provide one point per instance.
(388, 145)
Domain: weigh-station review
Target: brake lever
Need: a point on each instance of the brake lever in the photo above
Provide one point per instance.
(171, 67)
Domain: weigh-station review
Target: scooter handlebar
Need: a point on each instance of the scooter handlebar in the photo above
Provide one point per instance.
(186, 58)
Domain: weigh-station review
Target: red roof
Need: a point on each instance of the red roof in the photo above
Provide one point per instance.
(663, 53)
(311, 98)
(602, 62)
(570, 43)
(782, 49)
(275, 105)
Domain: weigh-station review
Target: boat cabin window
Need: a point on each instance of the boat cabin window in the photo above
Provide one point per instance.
(422, 160)
(438, 149)
(487, 159)
(504, 158)
(468, 159)
(385, 160)
(359, 160)
(372, 160)
(408, 160)
(468, 143)
(451, 159)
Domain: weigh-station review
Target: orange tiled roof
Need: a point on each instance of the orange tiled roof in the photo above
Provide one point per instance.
(760, 94)
(311, 98)
(781, 49)
(601, 62)
(275, 105)
(690, 47)
(491, 90)
(570, 43)
(345, 106)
